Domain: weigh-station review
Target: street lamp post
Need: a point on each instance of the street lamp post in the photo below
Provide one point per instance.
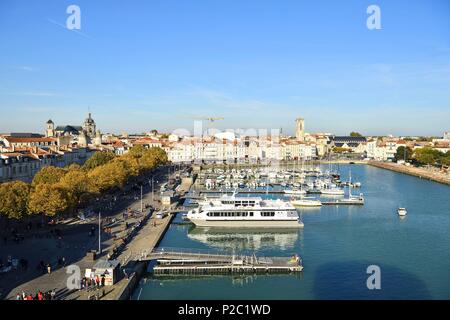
(99, 233)
(153, 198)
(142, 204)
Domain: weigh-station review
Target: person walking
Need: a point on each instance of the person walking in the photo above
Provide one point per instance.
(53, 294)
(49, 268)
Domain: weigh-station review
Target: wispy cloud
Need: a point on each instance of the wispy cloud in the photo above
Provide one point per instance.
(26, 68)
(73, 30)
(37, 94)
(45, 110)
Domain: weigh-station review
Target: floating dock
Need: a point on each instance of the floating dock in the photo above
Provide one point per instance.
(176, 261)
(344, 202)
(241, 191)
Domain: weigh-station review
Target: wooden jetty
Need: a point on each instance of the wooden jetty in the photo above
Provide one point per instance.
(179, 261)
(215, 194)
(344, 202)
(241, 191)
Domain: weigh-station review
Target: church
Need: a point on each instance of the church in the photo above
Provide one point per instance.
(82, 135)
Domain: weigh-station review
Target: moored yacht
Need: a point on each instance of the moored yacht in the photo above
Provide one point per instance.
(334, 191)
(232, 211)
(303, 202)
(294, 191)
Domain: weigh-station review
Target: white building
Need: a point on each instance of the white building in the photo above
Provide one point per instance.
(447, 135)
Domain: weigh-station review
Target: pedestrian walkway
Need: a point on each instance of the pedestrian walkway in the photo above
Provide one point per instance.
(74, 248)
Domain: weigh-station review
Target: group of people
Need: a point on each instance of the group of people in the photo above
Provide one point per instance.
(93, 282)
(48, 295)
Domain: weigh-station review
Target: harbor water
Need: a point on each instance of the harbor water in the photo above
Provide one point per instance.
(337, 245)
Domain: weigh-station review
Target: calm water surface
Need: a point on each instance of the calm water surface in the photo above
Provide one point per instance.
(337, 245)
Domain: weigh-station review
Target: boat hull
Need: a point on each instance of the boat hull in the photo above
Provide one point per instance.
(248, 223)
(306, 204)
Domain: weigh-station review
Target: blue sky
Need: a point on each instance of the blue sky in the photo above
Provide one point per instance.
(140, 65)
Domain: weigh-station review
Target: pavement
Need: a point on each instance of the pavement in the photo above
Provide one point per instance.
(431, 173)
(76, 242)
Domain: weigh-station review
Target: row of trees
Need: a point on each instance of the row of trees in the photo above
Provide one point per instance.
(423, 156)
(55, 190)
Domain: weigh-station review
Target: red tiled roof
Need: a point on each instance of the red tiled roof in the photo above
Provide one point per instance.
(18, 140)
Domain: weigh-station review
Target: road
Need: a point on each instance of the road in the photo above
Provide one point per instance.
(75, 243)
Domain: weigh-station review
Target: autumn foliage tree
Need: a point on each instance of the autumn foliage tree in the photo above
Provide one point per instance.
(98, 159)
(48, 199)
(75, 183)
(14, 199)
(48, 175)
(109, 176)
(55, 190)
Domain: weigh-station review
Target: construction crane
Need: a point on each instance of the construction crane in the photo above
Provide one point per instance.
(210, 119)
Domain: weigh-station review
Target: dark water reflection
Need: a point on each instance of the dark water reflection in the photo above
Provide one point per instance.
(337, 245)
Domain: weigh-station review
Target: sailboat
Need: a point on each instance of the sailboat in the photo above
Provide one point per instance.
(305, 201)
(351, 198)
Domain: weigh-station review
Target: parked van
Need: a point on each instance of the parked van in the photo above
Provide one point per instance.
(160, 214)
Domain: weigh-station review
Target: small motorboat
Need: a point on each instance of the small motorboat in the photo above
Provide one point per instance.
(306, 203)
(294, 191)
(402, 212)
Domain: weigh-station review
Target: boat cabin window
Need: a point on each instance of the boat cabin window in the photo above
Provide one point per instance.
(230, 214)
(268, 214)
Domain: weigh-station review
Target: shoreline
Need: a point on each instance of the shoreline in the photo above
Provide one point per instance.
(279, 163)
(412, 171)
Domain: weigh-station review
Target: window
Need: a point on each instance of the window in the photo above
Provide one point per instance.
(251, 214)
(268, 214)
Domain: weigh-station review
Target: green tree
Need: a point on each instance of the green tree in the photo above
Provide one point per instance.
(446, 160)
(341, 150)
(48, 199)
(355, 134)
(49, 174)
(403, 153)
(98, 159)
(427, 156)
(14, 199)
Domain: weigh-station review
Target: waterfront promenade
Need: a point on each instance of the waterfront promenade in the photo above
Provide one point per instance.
(75, 244)
(423, 173)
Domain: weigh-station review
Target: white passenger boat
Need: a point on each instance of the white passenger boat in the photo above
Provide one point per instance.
(232, 211)
(402, 212)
